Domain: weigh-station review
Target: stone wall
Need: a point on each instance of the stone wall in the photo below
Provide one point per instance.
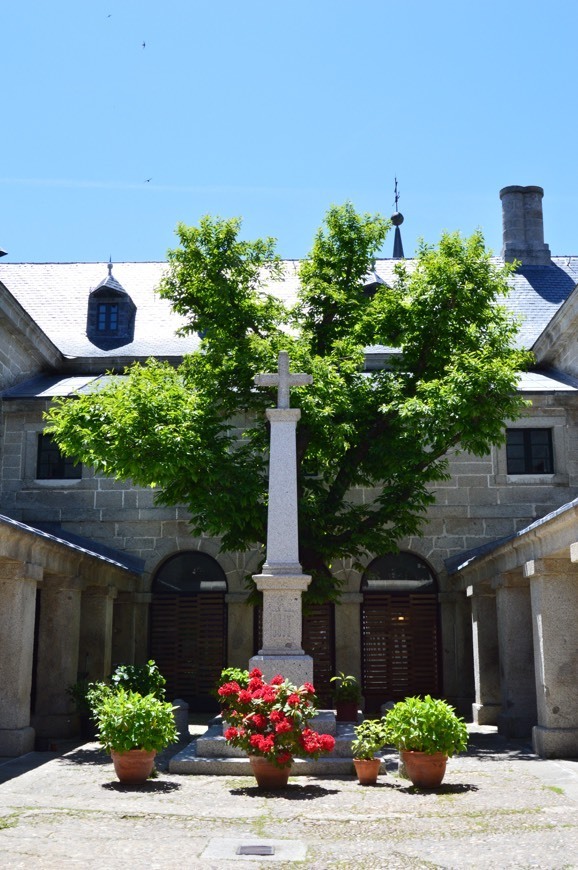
(478, 504)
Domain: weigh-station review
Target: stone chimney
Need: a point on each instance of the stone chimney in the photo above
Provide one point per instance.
(523, 226)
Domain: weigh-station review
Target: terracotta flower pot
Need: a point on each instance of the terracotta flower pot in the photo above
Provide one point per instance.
(367, 770)
(133, 767)
(267, 774)
(424, 770)
(346, 711)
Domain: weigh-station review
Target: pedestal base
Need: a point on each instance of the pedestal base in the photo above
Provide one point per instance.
(555, 742)
(297, 669)
(486, 714)
(16, 741)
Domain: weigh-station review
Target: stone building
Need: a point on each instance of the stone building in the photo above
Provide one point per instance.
(481, 608)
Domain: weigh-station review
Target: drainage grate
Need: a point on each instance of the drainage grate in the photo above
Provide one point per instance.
(258, 849)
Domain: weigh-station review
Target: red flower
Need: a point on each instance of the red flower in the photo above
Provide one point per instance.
(268, 693)
(277, 680)
(283, 727)
(327, 742)
(245, 696)
(283, 758)
(309, 688)
(255, 674)
(228, 689)
(277, 716)
(294, 700)
(231, 733)
(259, 721)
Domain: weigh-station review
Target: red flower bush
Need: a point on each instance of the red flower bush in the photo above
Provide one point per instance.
(272, 719)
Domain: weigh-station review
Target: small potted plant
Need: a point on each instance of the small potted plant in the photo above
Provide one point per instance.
(370, 735)
(347, 696)
(427, 732)
(132, 728)
(270, 722)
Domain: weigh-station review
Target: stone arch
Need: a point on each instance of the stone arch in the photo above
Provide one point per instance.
(400, 634)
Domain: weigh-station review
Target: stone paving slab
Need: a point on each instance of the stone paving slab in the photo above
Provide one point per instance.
(499, 807)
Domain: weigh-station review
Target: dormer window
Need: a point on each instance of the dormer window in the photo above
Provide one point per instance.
(107, 322)
(111, 314)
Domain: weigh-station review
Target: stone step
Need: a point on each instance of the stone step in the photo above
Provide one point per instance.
(188, 762)
(212, 744)
(210, 754)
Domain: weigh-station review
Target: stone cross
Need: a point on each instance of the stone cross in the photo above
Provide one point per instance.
(282, 581)
(283, 380)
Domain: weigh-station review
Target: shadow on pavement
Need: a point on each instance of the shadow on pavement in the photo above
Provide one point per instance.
(290, 793)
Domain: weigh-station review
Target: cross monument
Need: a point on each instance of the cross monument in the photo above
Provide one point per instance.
(282, 581)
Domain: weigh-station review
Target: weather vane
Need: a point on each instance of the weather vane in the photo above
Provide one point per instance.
(396, 197)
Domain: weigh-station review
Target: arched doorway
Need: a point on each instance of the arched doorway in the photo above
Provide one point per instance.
(400, 636)
(188, 627)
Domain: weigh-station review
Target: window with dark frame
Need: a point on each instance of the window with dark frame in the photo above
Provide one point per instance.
(52, 465)
(107, 317)
(529, 451)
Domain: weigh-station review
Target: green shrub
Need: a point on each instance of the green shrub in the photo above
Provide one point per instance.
(144, 679)
(128, 720)
(345, 688)
(426, 725)
(370, 736)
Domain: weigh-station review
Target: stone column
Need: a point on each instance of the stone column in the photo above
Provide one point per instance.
(18, 583)
(130, 628)
(348, 634)
(486, 707)
(95, 649)
(518, 686)
(57, 663)
(239, 628)
(282, 581)
(554, 591)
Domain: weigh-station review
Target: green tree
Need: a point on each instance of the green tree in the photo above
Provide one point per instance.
(199, 434)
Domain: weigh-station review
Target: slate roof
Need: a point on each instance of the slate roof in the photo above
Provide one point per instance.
(52, 532)
(462, 560)
(56, 297)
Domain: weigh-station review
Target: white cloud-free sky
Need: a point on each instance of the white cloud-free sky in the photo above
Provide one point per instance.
(120, 118)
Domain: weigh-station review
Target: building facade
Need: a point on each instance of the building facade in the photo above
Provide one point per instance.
(93, 572)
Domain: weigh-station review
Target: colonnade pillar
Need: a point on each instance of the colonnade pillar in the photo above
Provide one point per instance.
(487, 705)
(95, 648)
(518, 687)
(554, 591)
(57, 660)
(18, 584)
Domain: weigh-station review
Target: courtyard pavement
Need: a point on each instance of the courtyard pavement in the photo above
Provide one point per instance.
(499, 806)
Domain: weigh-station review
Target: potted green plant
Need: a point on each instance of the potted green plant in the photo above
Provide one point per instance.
(427, 732)
(347, 697)
(132, 728)
(270, 721)
(370, 736)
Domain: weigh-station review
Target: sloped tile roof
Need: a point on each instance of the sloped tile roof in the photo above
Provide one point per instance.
(56, 297)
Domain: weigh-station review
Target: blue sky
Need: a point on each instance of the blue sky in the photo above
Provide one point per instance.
(274, 111)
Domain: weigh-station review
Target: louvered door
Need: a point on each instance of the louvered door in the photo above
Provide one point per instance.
(188, 643)
(400, 647)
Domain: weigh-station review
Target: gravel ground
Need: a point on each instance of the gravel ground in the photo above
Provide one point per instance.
(499, 807)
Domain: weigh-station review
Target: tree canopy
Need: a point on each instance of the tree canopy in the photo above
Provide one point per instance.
(198, 431)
